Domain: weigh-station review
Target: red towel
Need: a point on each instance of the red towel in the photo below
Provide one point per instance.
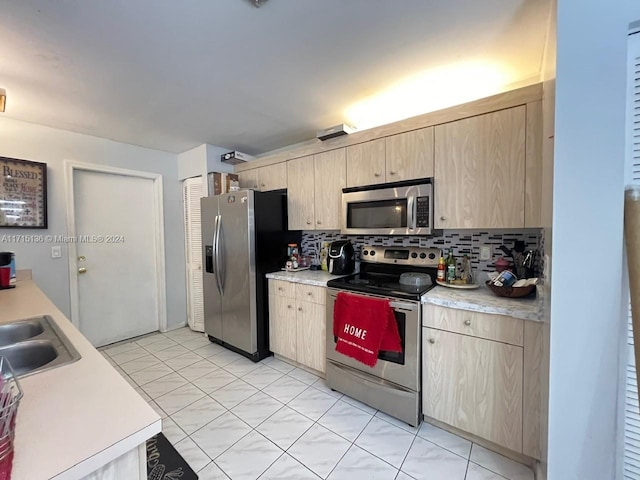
(364, 326)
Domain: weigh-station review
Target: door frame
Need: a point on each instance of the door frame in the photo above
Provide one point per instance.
(70, 167)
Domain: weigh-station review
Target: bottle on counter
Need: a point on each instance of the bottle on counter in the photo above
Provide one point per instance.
(467, 271)
(442, 269)
(451, 266)
(324, 257)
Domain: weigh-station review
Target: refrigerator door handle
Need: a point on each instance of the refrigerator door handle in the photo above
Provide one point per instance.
(216, 252)
(221, 262)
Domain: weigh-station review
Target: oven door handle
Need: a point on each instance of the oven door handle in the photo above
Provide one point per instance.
(403, 306)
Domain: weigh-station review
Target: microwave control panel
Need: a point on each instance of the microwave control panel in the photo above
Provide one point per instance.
(422, 212)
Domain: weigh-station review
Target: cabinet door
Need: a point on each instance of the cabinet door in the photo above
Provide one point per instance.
(474, 384)
(410, 155)
(330, 178)
(300, 193)
(273, 177)
(311, 335)
(248, 178)
(479, 171)
(366, 163)
(282, 326)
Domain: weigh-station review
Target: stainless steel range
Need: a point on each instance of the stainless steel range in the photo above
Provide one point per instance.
(393, 384)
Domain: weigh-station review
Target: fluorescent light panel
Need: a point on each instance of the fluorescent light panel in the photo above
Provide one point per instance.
(428, 91)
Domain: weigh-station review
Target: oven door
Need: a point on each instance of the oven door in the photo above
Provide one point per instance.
(404, 210)
(399, 368)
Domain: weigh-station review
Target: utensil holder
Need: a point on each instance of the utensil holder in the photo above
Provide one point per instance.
(10, 395)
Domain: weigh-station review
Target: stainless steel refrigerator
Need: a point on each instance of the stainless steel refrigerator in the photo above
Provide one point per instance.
(244, 237)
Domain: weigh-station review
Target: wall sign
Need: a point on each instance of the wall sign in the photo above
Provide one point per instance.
(23, 194)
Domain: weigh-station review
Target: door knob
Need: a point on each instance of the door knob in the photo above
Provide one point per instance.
(308, 222)
(82, 258)
(443, 218)
(82, 270)
(467, 322)
(392, 172)
(377, 174)
(432, 341)
(299, 309)
(319, 222)
(262, 185)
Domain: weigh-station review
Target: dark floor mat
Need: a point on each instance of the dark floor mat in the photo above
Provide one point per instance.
(165, 463)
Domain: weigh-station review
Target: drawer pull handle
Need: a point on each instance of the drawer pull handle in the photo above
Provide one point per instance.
(289, 307)
(467, 322)
(280, 289)
(308, 222)
(443, 218)
(432, 341)
(309, 293)
(299, 309)
(377, 174)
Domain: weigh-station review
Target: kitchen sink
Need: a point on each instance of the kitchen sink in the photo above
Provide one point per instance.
(35, 344)
(19, 331)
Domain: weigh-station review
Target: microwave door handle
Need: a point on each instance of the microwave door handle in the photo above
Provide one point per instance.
(411, 208)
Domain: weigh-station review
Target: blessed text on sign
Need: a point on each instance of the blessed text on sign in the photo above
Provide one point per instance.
(23, 193)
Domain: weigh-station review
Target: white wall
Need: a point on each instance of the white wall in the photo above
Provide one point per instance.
(43, 144)
(586, 307)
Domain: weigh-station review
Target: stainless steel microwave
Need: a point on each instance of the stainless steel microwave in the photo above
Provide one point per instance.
(402, 208)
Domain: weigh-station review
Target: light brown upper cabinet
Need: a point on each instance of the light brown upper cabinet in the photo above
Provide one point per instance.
(533, 176)
(248, 178)
(480, 171)
(273, 177)
(409, 155)
(300, 193)
(314, 193)
(366, 163)
(330, 172)
(270, 177)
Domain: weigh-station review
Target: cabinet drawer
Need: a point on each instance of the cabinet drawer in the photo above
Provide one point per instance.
(310, 293)
(483, 325)
(282, 288)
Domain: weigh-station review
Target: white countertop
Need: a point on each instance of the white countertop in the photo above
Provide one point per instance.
(484, 300)
(319, 278)
(75, 418)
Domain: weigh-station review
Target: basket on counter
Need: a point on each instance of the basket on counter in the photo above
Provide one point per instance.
(511, 292)
(10, 395)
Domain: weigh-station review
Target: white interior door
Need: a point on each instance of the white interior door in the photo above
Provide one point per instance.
(116, 245)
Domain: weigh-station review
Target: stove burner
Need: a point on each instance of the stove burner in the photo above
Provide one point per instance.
(359, 281)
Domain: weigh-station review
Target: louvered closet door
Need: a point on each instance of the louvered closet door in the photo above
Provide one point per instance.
(632, 411)
(192, 192)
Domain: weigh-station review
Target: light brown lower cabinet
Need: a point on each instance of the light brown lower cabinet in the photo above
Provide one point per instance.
(481, 373)
(297, 322)
(475, 385)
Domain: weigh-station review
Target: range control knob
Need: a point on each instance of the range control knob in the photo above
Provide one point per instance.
(414, 255)
(366, 252)
(423, 255)
(432, 256)
(372, 253)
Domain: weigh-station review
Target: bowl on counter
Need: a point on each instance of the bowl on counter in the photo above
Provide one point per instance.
(511, 292)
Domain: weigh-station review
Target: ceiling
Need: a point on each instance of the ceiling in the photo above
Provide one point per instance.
(172, 75)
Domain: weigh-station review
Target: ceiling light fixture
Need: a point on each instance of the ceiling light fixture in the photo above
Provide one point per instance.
(258, 3)
(3, 99)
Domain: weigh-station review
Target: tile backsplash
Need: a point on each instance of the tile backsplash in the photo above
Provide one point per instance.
(462, 241)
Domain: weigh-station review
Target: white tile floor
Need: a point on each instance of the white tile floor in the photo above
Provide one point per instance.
(232, 418)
